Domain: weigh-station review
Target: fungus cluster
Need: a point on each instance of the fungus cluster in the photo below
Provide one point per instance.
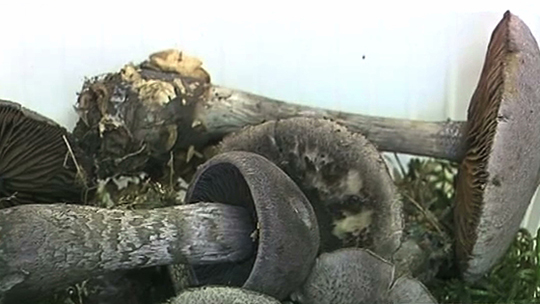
(246, 199)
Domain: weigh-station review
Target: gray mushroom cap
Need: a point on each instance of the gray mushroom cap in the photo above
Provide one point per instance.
(287, 236)
(341, 173)
(347, 276)
(358, 276)
(410, 291)
(222, 295)
(500, 171)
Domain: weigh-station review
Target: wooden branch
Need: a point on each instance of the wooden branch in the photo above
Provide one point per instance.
(227, 110)
(46, 247)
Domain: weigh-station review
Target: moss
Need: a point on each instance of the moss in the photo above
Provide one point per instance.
(428, 189)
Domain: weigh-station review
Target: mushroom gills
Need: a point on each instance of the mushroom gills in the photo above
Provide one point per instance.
(500, 172)
(224, 183)
(287, 234)
(39, 161)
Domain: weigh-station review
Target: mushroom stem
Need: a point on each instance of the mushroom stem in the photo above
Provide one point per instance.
(228, 110)
(47, 247)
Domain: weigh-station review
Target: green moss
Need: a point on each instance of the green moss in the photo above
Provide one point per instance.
(428, 189)
(515, 279)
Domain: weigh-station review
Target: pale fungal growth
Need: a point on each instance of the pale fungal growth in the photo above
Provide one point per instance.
(222, 295)
(341, 173)
(39, 160)
(177, 61)
(500, 171)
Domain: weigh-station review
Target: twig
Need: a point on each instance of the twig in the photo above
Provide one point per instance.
(428, 214)
(80, 171)
(117, 161)
(7, 199)
(171, 172)
(400, 165)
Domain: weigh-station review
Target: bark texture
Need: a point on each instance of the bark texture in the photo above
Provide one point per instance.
(47, 247)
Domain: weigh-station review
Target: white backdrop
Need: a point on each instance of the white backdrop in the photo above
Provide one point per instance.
(410, 60)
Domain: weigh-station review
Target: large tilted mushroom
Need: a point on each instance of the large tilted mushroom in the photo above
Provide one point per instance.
(39, 160)
(242, 211)
(341, 173)
(500, 171)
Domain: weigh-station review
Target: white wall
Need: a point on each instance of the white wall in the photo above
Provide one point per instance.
(421, 61)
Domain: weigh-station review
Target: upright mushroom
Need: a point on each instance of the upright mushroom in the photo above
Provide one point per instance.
(500, 171)
(39, 160)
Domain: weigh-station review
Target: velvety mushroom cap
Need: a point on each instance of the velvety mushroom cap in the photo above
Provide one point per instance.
(39, 162)
(222, 295)
(341, 173)
(287, 235)
(499, 174)
(347, 276)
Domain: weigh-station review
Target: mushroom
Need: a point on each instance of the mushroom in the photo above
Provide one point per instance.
(287, 228)
(500, 171)
(222, 295)
(357, 276)
(47, 247)
(40, 162)
(341, 173)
